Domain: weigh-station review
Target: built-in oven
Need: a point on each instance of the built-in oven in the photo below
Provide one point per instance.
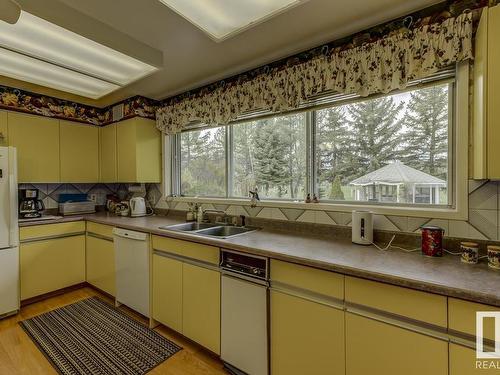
(245, 313)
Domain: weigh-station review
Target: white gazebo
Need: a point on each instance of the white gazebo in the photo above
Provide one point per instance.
(396, 182)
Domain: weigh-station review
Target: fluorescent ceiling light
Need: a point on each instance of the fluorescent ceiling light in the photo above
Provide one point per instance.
(25, 68)
(35, 37)
(224, 18)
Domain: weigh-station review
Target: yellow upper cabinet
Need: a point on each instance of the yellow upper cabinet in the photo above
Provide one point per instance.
(138, 151)
(79, 152)
(37, 141)
(4, 140)
(108, 161)
(486, 131)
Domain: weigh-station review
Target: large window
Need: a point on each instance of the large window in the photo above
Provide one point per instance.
(391, 149)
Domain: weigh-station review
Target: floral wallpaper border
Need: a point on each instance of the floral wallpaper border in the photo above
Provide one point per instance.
(14, 99)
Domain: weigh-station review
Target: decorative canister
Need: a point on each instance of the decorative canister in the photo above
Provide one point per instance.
(494, 257)
(470, 252)
(432, 241)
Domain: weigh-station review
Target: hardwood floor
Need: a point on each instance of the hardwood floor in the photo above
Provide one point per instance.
(19, 355)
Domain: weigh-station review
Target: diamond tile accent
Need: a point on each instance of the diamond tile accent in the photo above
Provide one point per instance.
(307, 217)
(414, 223)
(380, 222)
(323, 218)
(485, 197)
(252, 211)
(485, 221)
(292, 214)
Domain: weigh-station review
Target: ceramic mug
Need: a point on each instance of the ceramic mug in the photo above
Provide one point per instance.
(470, 252)
(494, 257)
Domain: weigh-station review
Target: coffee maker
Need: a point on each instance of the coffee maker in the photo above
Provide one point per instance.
(30, 206)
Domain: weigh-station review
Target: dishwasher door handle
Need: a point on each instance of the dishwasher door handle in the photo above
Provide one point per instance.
(243, 277)
(129, 234)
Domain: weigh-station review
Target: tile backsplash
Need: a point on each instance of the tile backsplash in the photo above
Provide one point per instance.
(483, 222)
(49, 193)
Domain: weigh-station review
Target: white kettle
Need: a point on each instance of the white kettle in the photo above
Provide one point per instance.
(362, 227)
(137, 207)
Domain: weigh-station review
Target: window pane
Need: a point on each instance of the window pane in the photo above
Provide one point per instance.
(392, 149)
(203, 166)
(270, 155)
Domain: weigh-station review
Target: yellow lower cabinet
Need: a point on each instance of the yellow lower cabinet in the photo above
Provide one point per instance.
(49, 265)
(306, 337)
(101, 264)
(201, 306)
(167, 291)
(377, 348)
(463, 361)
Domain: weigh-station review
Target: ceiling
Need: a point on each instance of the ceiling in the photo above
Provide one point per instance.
(191, 58)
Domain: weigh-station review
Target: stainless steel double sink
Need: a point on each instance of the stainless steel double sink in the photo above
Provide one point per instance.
(209, 229)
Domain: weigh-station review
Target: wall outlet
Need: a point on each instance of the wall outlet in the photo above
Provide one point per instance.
(93, 197)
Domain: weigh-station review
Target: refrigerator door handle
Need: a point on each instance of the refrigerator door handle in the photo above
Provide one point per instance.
(14, 226)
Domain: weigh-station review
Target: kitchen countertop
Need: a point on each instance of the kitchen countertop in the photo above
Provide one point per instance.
(446, 276)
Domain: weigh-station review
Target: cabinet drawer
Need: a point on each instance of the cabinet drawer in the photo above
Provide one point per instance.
(100, 229)
(462, 317)
(425, 307)
(205, 253)
(49, 230)
(318, 281)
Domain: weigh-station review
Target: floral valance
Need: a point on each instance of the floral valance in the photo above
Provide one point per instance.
(378, 67)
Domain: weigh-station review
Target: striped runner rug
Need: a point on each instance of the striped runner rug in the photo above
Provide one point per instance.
(91, 337)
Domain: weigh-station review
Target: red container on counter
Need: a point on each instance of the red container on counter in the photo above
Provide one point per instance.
(432, 241)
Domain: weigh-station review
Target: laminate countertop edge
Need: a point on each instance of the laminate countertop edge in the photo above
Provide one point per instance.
(445, 276)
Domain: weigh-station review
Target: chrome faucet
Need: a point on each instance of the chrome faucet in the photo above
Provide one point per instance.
(205, 216)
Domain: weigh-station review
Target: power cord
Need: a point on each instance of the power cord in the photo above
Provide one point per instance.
(391, 246)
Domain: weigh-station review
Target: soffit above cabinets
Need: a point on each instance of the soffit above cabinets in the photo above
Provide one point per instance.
(38, 51)
(222, 19)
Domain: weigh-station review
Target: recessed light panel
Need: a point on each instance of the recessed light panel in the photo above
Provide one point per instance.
(25, 68)
(224, 18)
(65, 50)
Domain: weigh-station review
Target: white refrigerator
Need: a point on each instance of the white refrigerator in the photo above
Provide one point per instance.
(9, 233)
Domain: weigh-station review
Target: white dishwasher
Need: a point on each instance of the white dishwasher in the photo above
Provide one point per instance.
(244, 314)
(132, 269)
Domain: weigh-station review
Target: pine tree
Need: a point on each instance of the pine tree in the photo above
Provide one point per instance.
(336, 192)
(243, 177)
(426, 122)
(374, 125)
(270, 153)
(332, 142)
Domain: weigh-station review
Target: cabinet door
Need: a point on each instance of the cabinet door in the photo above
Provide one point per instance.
(4, 137)
(374, 347)
(126, 151)
(306, 337)
(100, 256)
(493, 132)
(148, 151)
(463, 362)
(201, 306)
(50, 265)
(108, 160)
(37, 141)
(79, 152)
(167, 292)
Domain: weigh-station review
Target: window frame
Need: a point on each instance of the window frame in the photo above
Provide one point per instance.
(457, 158)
